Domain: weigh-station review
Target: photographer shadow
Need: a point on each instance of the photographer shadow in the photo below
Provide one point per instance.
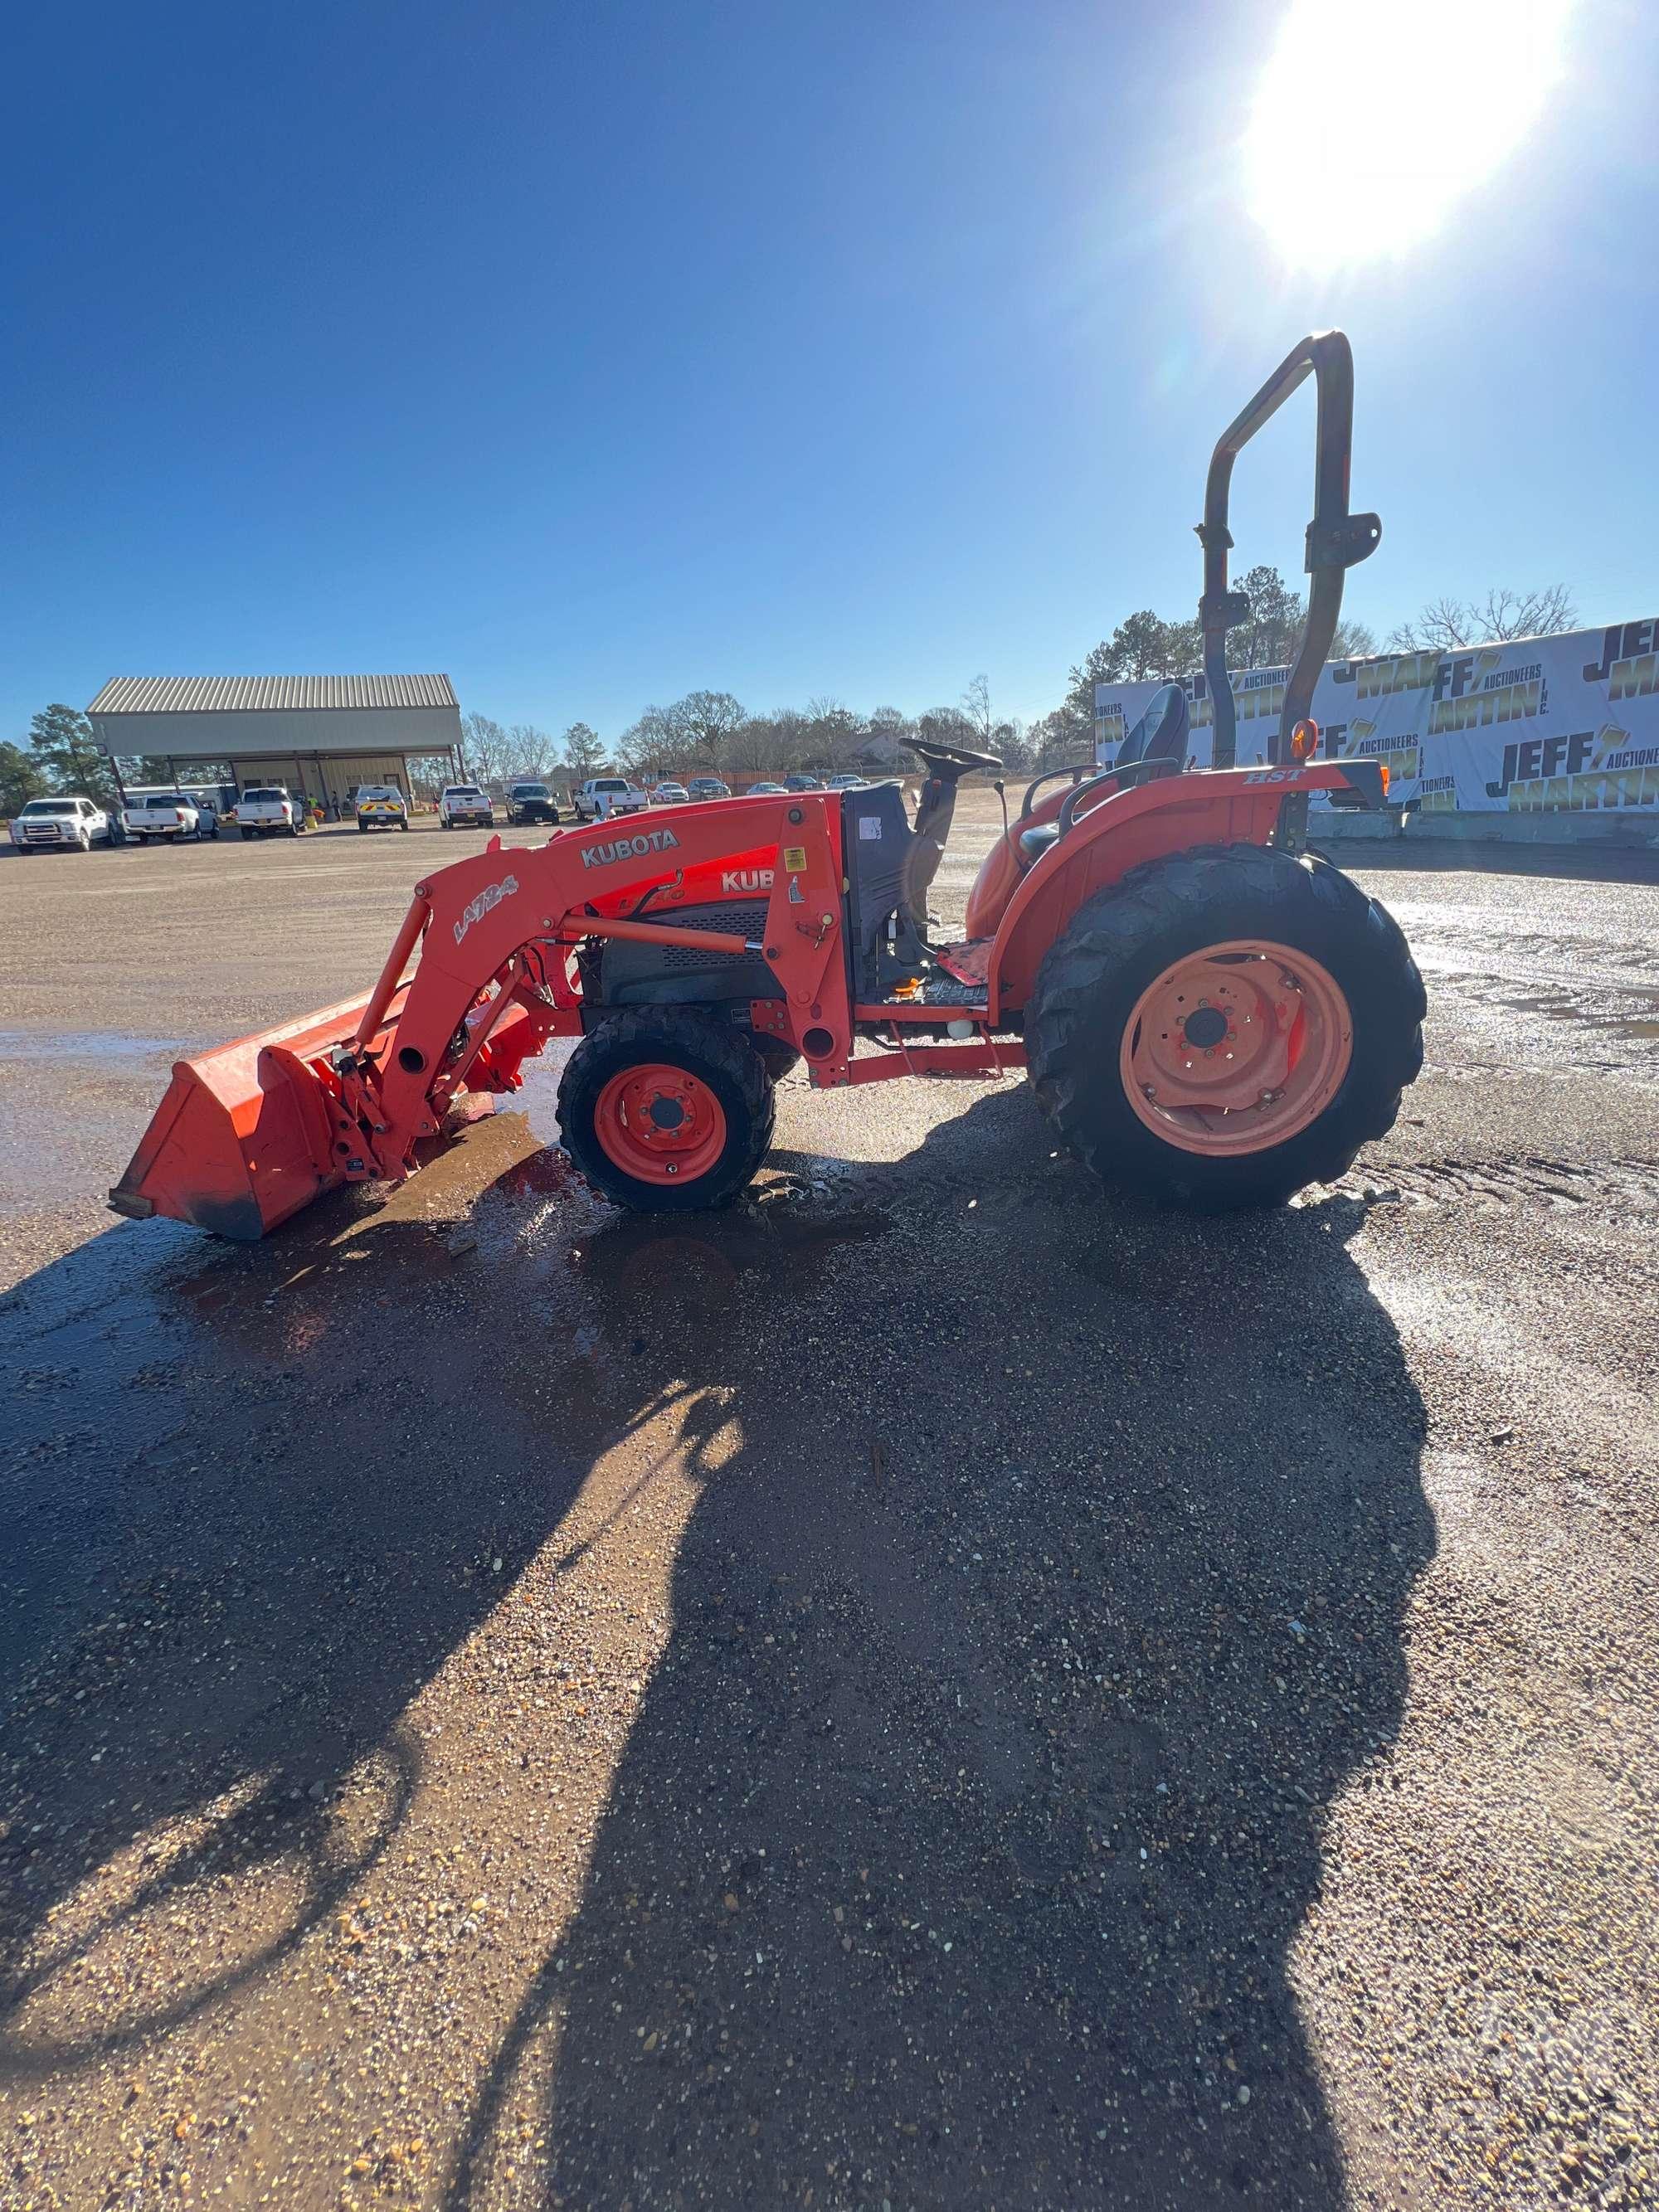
(248, 1522)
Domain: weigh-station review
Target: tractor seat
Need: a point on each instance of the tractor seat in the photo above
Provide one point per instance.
(1035, 841)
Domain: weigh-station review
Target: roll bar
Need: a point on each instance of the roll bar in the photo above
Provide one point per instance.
(1336, 539)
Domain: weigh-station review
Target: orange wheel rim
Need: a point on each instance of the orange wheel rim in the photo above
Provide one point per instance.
(660, 1123)
(1236, 1048)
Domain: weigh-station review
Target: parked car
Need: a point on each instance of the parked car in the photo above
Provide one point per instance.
(845, 783)
(767, 791)
(73, 824)
(671, 794)
(602, 796)
(531, 802)
(801, 781)
(381, 806)
(708, 786)
(265, 810)
(171, 814)
(460, 803)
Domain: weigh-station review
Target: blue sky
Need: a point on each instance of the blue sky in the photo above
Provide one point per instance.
(592, 355)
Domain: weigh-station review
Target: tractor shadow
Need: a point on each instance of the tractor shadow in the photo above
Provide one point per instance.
(1050, 1594)
(1032, 1534)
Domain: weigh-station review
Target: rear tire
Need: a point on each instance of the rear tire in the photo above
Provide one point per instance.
(606, 1133)
(1121, 942)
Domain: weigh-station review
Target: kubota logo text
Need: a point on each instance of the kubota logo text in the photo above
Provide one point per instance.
(476, 909)
(746, 879)
(629, 848)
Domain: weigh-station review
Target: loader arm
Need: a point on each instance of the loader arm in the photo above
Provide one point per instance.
(250, 1134)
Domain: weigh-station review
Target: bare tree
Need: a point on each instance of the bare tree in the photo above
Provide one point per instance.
(1447, 625)
(534, 751)
(976, 706)
(655, 746)
(430, 774)
(704, 722)
(488, 748)
(834, 734)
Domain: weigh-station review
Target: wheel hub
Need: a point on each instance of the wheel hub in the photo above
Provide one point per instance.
(1237, 1047)
(1206, 1028)
(660, 1123)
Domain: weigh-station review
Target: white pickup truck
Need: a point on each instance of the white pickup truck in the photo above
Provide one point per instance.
(265, 809)
(71, 824)
(463, 804)
(603, 796)
(172, 816)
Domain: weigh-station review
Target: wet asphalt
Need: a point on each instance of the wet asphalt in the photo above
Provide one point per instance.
(931, 1688)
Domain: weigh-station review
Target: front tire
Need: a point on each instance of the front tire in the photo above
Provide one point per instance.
(1224, 1026)
(665, 1111)
(777, 1055)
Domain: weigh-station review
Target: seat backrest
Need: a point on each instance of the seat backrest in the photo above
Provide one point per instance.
(1162, 730)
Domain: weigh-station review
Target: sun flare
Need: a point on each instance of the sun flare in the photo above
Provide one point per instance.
(1373, 119)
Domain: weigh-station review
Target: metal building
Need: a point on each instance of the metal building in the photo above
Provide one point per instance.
(319, 735)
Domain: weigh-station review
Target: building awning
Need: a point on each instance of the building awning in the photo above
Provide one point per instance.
(253, 694)
(214, 718)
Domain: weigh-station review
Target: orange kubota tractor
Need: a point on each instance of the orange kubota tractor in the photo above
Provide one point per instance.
(1211, 1012)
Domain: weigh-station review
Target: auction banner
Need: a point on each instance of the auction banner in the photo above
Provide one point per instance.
(1548, 725)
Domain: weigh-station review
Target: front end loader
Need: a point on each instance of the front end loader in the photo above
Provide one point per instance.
(1210, 1013)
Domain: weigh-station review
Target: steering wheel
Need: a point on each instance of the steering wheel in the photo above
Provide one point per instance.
(956, 757)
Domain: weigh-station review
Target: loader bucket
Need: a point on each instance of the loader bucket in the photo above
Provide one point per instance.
(244, 1137)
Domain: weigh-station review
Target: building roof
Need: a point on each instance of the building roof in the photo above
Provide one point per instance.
(207, 694)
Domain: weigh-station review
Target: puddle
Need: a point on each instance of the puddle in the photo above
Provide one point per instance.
(538, 1099)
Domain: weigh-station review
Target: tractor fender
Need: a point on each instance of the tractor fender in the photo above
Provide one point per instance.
(1003, 870)
(1230, 807)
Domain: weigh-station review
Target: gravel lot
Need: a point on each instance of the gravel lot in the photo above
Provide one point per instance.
(930, 1689)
